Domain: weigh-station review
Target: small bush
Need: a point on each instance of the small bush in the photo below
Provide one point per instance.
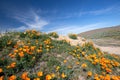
(72, 36)
(53, 34)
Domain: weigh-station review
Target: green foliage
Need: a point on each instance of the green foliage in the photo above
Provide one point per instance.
(52, 62)
(53, 34)
(72, 36)
(6, 41)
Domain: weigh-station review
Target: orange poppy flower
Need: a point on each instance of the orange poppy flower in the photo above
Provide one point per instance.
(39, 74)
(1, 70)
(48, 77)
(13, 64)
(24, 75)
(13, 77)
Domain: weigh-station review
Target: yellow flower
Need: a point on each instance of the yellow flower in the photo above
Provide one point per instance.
(48, 77)
(20, 49)
(27, 50)
(101, 77)
(39, 74)
(57, 68)
(47, 46)
(25, 46)
(96, 60)
(39, 50)
(9, 42)
(63, 75)
(107, 77)
(89, 73)
(15, 51)
(77, 63)
(32, 48)
(21, 54)
(108, 70)
(8, 67)
(37, 79)
(103, 73)
(96, 78)
(69, 67)
(1, 70)
(65, 61)
(30, 53)
(96, 75)
(83, 53)
(116, 64)
(84, 65)
(47, 49)
(52, 75)
(33, 57)
(115, 78)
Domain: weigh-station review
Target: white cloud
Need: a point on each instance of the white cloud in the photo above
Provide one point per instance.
(64, 30)
(20, 28)
(80, 13)
(31, 20)
(96, 12)
(101, 11)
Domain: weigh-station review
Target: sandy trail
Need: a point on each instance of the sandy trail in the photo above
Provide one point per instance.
(110, 49)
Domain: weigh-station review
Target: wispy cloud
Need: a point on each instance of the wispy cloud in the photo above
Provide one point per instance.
(31, 20)
(83, 13)
(96, 12)
(64, 30)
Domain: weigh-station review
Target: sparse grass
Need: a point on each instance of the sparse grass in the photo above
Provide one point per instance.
(33, 55)
(104, 37)
(114, 34)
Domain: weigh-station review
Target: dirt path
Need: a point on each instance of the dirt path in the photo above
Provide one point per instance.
(114, 50)
(110, 49)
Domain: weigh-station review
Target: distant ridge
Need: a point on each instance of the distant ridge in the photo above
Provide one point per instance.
(103, 32)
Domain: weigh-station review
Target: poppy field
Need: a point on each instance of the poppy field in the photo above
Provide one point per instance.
(35, 55)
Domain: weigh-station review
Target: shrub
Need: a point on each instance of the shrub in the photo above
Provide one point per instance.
(53, 34)
(72, 36)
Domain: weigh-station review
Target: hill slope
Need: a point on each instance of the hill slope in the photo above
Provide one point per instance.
(104, 37)
(33, 55)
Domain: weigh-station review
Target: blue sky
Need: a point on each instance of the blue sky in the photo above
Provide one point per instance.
(62, 16)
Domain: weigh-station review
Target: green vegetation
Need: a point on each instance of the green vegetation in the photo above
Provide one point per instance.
(33, 55)
(53, 34)
(72, 36)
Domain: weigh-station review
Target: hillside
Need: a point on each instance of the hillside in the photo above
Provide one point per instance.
(33, 55)
(104, 37)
